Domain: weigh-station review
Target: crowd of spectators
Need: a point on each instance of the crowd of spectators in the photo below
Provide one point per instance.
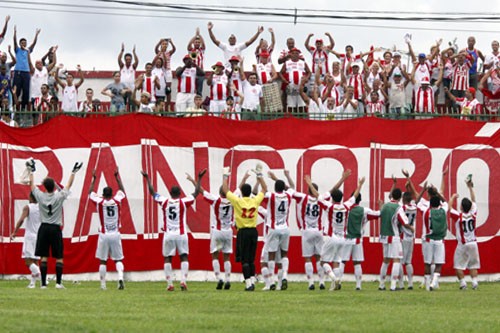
(317, 82)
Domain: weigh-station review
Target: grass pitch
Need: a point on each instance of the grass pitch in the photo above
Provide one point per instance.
(148, 307)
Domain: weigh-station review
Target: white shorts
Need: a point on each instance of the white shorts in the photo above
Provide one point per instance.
(294, 101)
(312, 242)
(109, 246)
(184, 101)
(332, 249)
(221, 240)
(168, 76)
(353, 248)
(393, 250)
(217, 107)
(172, 242)
(408, 245)
(29, 246)
(433, 251)
(466, 256)
(278, 239)
(264, 256)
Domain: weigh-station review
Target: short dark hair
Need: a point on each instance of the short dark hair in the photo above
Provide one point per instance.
(107, 192)
(49, 184)
(349, 46)
(32, 197)
(396, 193)
(22, 40)
(431, 191)
(435, 201)
(358, 198)
(148, 64)
(246, 190)
(466, 205)
(175, 192)
(127, 55)
(279, 186)
(337, 195)
(407, 197)
(252, 74)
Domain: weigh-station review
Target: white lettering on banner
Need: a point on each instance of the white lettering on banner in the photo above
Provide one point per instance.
(167, 166)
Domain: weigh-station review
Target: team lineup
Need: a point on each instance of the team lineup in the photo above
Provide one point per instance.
(331, 226)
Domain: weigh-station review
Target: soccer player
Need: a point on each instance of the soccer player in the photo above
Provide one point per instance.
(175, 227)
(109, 243)
(49, 237)
(278, 238)
(392, 216)
(353, 248)
(334, 229)
(245, 213)
(309, 218)
(32, 216)
(466, 253)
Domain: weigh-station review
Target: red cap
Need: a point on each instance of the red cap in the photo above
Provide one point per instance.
(218, 64)
(234, 58)
(319, 40)
(264, 54)
(472, 91)
(294, 50)
(425, 80)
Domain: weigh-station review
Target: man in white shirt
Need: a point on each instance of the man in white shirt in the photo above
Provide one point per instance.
(253, 98)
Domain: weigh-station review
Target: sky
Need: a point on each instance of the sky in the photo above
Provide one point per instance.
(93, 39)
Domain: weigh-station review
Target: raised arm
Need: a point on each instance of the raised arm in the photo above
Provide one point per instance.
(4, 31)
(197, 185)
(51, 65)
(361, 181)
(332, 42)
(211, 34)
(470, 185)
(262, 183)
(394, 182)
(344, 176)
(452, 200)
(254, 37)
(443, 183)
(12, 56)
(15, 39)
(32, 46)
(58, 80)
(244, 179)
(92, 183)
(412, 54)
(76, 168)
(136, 58)
(119, 180)
(172, 51)
(307, 43)
(312, 189)
(291, 184)
(273, 38)
(80, 73)
(150, 186)
(120, 57)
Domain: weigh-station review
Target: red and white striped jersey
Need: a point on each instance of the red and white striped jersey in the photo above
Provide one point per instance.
(231, 112)
(166, 59)
(38, 105)
(295, 71)
(344, 60)
(468, 107)
(200, 56)
(236, 80)
(187, 81)
(264, 72)
(309, 212)
(424, 99)
(222, 212)
(109, 211)
(148, 85)
(411, 213)
(356, 80)
(174, 213)
(423, 70)
(375, 107)
(319, 60)
(460, 76)
(218, 89)
(465, 224)
(278, 207)
(337, 216)
(334, 93)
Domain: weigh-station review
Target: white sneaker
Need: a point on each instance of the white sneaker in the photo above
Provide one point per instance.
(31, 285)
(266, 288)
(60, 286)
(43, 287)
(103, 287)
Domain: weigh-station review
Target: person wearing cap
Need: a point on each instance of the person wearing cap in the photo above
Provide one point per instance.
(234, 73)
(186, 76)
(144, 104)
(356, 80)
(396, 92)
(424, 95)
(291, 74)
(218, 82)
(264, 46)
(319, 54)
(349, 57)
(469, 105)
(232, 49)
(423, 64)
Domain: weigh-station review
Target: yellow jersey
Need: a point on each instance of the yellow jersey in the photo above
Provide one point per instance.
(245, 209)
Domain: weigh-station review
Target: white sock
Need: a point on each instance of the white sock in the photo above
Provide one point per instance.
(321, 272)
(227, 270)
(284, 266)
(462, 283)
(341, 267)
(401, 276)
(271, 265)
(184, 270)
(427, 281)
(102, 274)
(396, 266)
(358, 273)
(266, 276)
(336, 272)
(383, 273)
(280, 275)
(435, 278)
(35, 272)
(474, 281)
(309, 272)
(248, 283)
(328, 271)
(168, 272)
(119, 269)
(409, 272)
(216, 267)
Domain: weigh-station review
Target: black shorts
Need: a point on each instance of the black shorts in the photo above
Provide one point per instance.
(49, 238)
(246, 242)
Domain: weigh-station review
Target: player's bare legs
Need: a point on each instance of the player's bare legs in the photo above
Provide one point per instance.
(32, 264)
(383, 273)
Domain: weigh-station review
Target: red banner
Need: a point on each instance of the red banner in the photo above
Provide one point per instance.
(167, 148)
